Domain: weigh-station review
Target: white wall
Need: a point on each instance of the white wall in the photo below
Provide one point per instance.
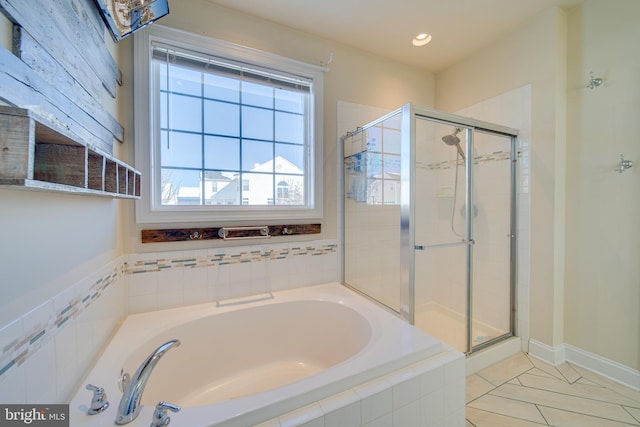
(49, 242)
(5, 32)
(602, 304)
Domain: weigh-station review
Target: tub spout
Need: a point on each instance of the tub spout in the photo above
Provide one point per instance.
(129, 407)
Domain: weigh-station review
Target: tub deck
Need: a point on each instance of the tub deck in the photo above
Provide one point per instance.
(392, 346)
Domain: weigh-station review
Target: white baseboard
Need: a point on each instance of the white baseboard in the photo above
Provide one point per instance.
(607, 368)
(602, 366)
(552, 355)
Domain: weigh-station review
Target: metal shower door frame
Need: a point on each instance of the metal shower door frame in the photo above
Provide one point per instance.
(410, 113)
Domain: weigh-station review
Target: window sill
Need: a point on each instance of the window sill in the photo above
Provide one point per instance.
(187, 214)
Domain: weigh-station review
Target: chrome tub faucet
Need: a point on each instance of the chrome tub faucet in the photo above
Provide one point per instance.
(129, 406)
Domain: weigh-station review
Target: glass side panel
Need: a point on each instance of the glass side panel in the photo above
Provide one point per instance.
(440, 232)
(491, 232)
(372, 212)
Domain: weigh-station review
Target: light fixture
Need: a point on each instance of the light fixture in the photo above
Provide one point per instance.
(421, 39)
(124, 17)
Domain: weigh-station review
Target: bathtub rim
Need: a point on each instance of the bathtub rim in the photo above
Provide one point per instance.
(266, 405)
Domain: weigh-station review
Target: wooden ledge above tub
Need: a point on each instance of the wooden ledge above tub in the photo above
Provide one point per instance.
(39, 155)
(227, 233)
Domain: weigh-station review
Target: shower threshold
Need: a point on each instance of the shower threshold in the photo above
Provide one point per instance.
(449, 326)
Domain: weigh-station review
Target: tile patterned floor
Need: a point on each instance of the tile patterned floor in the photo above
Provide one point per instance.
(523, 391)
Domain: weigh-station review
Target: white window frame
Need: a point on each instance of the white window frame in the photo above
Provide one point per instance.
(148, 207)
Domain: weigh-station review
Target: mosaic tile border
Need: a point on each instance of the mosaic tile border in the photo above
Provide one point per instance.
(226, 256)
(54, 315)
(499, 155)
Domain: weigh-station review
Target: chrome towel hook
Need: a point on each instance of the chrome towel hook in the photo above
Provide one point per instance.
(623, 165)
(594, 82)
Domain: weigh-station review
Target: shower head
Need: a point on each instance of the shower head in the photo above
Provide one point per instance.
(452, 139)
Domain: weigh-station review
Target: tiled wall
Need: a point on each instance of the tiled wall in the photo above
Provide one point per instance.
(427, 393)
(45, 354)
(171, 279)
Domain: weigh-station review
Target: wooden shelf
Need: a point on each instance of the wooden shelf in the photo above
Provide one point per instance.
(211, 233)
(35, 155)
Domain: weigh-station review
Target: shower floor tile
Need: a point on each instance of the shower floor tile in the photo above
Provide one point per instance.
(523, 391)
(449, 326)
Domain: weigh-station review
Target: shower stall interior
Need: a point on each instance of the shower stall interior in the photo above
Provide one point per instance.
(429, 222)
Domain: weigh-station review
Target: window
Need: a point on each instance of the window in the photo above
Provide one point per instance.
(283, 191)
(224, 132)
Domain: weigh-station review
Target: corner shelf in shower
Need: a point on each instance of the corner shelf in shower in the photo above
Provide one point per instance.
(43, 156)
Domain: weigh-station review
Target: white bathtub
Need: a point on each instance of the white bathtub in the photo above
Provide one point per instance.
(242, 364)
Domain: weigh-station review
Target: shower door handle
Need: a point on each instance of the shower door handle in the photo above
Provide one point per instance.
(445, 245)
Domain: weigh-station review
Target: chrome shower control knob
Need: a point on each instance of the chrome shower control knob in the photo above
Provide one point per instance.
(160, 417)
(99, 401)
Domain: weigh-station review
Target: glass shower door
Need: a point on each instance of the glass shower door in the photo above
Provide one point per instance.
(464, 274)
(429, 225)
(493, 233)
(441, 255)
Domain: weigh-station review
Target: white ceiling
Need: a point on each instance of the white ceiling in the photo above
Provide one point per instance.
(386, 27)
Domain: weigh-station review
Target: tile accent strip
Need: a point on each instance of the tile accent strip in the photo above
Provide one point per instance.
(491, 157)
(233, 255)
(15, 353)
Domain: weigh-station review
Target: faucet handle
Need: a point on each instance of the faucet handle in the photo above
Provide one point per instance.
(99, 401)
(160, 417)
(123, 380)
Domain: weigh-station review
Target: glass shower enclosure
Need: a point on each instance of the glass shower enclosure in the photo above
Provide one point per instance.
(429, 222)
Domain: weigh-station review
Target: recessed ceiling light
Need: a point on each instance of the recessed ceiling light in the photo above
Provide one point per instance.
(421, 39)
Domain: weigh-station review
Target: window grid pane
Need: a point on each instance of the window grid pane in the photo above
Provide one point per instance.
(224, 140)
